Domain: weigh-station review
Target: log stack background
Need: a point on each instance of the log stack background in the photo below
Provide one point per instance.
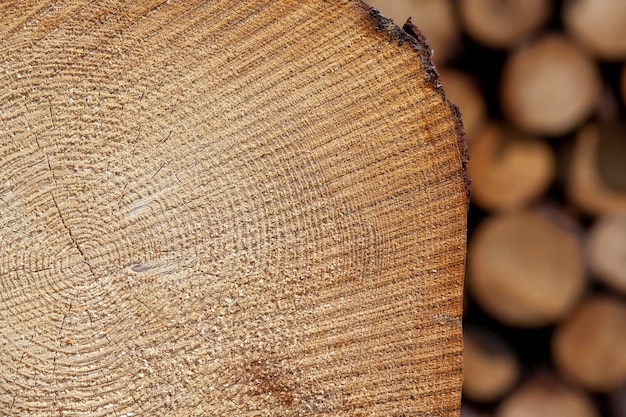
(542, 89)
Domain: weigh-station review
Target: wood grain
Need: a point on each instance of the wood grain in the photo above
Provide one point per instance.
(226, 208)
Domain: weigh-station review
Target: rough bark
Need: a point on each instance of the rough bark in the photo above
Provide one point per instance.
(462, 90)
(435, 18)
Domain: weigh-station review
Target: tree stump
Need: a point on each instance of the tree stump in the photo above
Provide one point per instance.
(226, 208)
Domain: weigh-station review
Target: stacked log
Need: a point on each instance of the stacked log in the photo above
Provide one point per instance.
(490, 366)
(541, 87)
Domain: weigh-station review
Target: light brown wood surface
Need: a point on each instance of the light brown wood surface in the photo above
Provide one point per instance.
(220, 208)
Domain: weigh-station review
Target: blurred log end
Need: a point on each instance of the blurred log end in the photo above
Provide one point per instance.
(586, 185)
(525, 268)
(599, 25)
(544, 395)
(510, 170)
(589, 345)
(606, 250)
(549, 87)
(490, 367)
(503, 24)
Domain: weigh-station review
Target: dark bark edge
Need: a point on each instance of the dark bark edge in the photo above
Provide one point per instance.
(413, 36)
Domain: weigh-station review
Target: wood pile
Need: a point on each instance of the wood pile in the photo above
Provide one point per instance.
(542, 91)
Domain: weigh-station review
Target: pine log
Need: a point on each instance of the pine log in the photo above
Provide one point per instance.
(606, 251)
(599, 25)
(595, 181)
(435, 18)
(503, 24)
(509, 170)
(462, 90)
(525, 268)
(226, 208)
(545, 396)
(549, 86)
(589, 346)
(490, 367)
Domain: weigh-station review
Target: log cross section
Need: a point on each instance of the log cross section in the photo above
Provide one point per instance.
(252, 208)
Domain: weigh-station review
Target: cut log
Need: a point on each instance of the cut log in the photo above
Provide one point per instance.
(509, 170)
(226, 208)
(599, 25)
(589, 346)
(606, 251)
(503, 24)
(462, 90)
(526, 268)
(545, 396)
(490, 367)
(549, 87)
(435, 18)
(597, 159)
